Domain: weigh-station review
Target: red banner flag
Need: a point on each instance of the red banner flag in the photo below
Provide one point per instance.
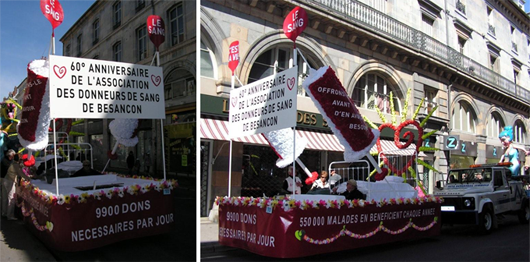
(233, 56)
(295, 23)
(156, 30)
(339, 110)
(53, 11)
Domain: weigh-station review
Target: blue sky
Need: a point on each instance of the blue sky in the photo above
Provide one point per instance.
(25, 35)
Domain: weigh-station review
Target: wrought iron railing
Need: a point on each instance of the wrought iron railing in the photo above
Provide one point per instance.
(360, 14)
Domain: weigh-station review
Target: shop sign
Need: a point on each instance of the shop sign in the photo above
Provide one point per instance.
(265, 105)
(89, 88)
(493, 152)
(466, 148)
(451, 142)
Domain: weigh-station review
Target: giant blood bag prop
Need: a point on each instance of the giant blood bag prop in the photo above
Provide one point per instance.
(282, 142)
(340, 112)
(125, 131)
(35, 119)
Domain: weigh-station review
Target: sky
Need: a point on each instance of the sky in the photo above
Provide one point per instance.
(25, 35)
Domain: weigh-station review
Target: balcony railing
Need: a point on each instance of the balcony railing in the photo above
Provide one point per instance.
(360, 14)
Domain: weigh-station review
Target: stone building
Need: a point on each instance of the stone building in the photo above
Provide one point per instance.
(468, 58)
(117, 31)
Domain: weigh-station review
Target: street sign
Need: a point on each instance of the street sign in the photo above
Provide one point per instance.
(451, 142)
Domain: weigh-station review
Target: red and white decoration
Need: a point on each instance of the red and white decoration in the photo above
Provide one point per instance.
(283, 144)
(156, 30)
(53, 11)
(125, 131)
(295, 23)
(340, 112)
(35, 119)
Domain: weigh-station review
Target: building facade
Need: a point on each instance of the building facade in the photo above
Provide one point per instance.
(468, 58)
(117, 31)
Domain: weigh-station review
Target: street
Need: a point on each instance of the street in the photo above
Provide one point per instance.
(510, 242)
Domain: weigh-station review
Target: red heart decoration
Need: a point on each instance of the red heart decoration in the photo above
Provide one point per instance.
(382, 175)
(59, 71)
(156, 80)
(290, 83)
(233, 101)
(410, 138)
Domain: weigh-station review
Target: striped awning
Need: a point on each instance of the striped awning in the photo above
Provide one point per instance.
(218, 130)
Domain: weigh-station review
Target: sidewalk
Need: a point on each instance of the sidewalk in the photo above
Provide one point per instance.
(210, 237)
(18, 244)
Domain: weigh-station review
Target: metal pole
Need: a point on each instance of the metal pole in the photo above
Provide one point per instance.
(55, 159)
(232, 82)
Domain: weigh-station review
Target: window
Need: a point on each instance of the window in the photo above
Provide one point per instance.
(372, 91)
(180, 83)
(176, 23)
(141, 42)
(140, 4)
(461, 7)
(494, 63)
(207, 64)
(461, 45)
(464, 118)
(276, 60)
(116, 14)
(427, 25)
(430, 12)
(491, 26)
(116, 52)
(519, 133)
(79, 44)
(67, 50)
(514, 39)
(495, 125)
(431, 100)
(95, 31)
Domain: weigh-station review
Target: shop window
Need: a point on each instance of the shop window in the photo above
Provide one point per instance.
(279, 59)
(495, 125)
(373, 91)
(464, 118)
(207, 61)
(262, 177)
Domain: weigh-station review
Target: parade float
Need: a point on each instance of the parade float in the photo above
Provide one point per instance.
(396, 206)
(90, 211)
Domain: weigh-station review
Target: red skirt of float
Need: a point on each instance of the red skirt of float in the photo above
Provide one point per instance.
(90, 220)
(291, 228)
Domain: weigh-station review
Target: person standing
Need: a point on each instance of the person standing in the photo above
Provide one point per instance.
(289, 183)
(8, 185)
(147, 162)
(130, 162)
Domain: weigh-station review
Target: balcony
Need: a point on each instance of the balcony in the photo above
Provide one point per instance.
(361, 15)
